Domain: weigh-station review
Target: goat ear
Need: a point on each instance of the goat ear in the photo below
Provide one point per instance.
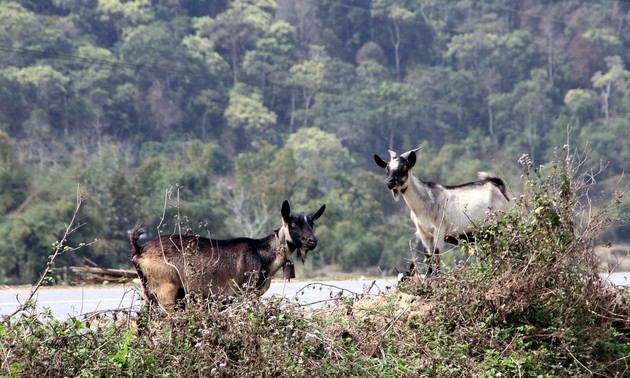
(411, 159)
(286, 211)
(380, 162)
(319, 212)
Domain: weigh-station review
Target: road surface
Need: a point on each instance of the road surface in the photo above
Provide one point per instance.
(75, 301)
(65, 302)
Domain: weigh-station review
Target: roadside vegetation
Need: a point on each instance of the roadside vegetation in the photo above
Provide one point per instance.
(527, 300)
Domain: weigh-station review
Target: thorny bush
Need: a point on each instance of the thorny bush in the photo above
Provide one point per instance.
(534, 301)
(263, 337)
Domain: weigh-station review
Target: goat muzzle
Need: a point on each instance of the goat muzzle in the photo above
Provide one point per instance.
(310, 244)
(391, 184)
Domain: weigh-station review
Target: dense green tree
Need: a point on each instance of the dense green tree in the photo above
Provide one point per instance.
(320, 156)
(309, 78)
(395, 15)
(206, 115)
(607, 83)
(14, 176)
(236, 30)
(358, 253)
(26, 243)
(125, 15)
(161, 76)
(581, 103)
(27, 37)
(394, 105)
(267, 65)
(605, 141)
(265, 179)
(27, 235)
(33, 89)
(248, 118)
(315, 82)
(489, 57)
(344, 26)
(208, 95)
(522, 113)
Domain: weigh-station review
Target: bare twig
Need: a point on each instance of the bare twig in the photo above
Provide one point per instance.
(60, 248)
(238, 201)
(181, 242)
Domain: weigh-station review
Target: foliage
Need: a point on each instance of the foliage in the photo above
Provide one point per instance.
(213, 100)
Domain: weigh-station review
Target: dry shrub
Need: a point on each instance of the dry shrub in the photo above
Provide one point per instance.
(541, 254)
(534, 300)
(248, 337)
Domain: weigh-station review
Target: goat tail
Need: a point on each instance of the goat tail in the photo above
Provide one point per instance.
(486, 175)
(496, 181)
(136, 250)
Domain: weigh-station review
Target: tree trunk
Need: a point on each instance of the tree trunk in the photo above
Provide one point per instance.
(604, 99)
(395, 37)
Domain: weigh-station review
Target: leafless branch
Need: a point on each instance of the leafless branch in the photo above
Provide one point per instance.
(60, 248)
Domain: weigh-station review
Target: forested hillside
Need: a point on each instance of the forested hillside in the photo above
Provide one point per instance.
(209, 113)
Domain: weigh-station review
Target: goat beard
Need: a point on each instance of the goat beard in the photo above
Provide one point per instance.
(396, 194)
(301, 253)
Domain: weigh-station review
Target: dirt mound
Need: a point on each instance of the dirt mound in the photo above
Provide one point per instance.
(383, 306)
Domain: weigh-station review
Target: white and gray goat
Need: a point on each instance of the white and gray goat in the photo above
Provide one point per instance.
(439, 212)
(172, 266)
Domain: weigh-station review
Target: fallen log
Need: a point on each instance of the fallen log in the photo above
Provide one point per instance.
(91, 275)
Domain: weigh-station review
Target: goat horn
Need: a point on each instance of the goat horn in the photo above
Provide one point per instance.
(392, 154)
(406, 154)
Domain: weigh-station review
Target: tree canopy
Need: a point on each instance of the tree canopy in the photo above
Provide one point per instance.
(208, 114)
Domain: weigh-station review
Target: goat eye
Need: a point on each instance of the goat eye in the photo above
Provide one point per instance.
(293, 225)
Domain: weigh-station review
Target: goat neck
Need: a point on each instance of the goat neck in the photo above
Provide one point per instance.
(417, 194)
(281, 250)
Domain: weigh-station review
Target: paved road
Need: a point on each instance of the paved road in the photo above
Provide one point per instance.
(71, 301)
(75, 301)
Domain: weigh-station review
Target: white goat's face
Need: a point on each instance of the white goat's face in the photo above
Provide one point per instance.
(397, 170)
(300, 227)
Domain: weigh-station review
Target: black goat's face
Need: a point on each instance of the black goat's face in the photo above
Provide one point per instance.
(397, 170)
(300, 227)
